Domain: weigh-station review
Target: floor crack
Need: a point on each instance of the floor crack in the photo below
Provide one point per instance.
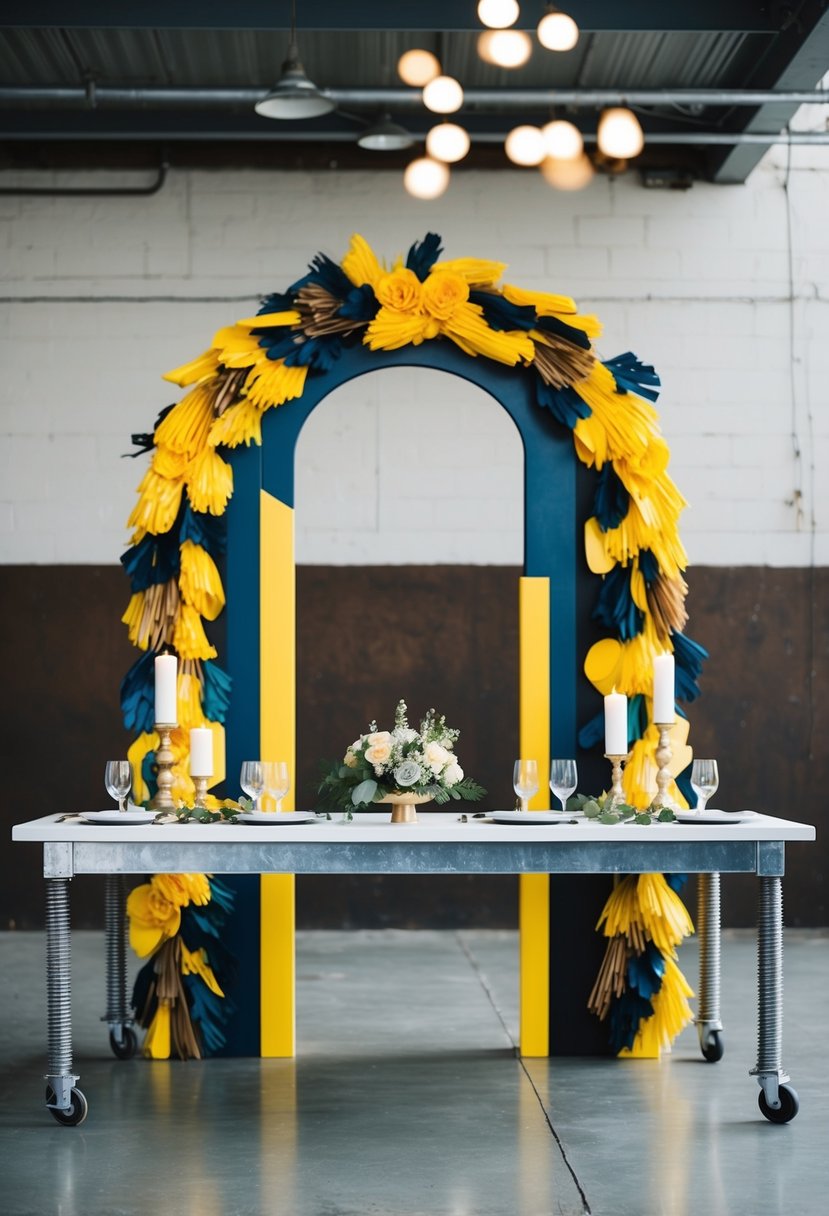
(490, 995)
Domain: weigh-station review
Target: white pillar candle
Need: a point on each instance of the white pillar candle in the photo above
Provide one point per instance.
(616, 724)
(166, 679)
(201, 751)
(664, 689)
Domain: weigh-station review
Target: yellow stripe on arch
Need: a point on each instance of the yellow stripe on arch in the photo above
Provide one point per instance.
(534, 743)
(277, 650)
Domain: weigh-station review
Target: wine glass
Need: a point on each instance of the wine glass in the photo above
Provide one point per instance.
(563, 780)
(525, 780)
(277, 780)
(252, 780)
(118, 778)
(704, 781)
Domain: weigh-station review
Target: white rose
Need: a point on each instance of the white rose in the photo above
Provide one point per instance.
(405, 734)
(408, 773)
(379, 736)
(436, 756)
(378, 753)
(452, 775)
(349, 759)
(356, 745)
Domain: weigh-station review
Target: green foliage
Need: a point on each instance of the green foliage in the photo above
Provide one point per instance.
(593, 807)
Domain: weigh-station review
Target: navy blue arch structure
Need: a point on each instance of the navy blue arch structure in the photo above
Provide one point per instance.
(552, 543)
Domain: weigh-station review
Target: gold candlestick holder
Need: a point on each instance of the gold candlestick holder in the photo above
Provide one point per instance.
(201, 791)
(616, 797)
(662, 800)
(164, 757)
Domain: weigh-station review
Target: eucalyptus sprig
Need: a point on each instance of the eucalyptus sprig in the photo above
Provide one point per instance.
(224, 811)
(593, 807)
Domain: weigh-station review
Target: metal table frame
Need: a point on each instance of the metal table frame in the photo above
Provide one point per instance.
(447, 848)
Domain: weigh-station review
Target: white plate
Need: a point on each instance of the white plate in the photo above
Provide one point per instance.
(277, 819)
(709, 815)
(535, 817)
(119, 818)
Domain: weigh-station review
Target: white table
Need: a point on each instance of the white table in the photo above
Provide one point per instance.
(437, 844)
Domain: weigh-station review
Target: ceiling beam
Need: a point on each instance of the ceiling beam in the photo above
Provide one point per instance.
(797, 59)
(427, 15)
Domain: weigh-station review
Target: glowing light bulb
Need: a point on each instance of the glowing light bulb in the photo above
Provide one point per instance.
(562, 140)
(620, 134)
(417, 68)
(498, 14)
(448, 142)
(426, 178)
(525, 146)
(572, 174)
(557, 31)
(505, 48)
(443, 95)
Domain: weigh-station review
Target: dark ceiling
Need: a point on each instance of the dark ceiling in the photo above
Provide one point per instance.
(90, 81)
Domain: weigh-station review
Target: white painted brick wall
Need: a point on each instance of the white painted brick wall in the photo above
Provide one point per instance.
(99, 296)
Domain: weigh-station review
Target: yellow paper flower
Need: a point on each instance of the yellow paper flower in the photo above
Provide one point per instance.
(209, 482)
(158, 502)
(443, 293)
(478, 272)
(185, 428)
(199, 581)
(399, 291)
(360, 263)
(194, 962)
(200, 368)
(189, 637)
(153, 918)
(170, 464)
(272, 383)
(241, 423)
(237, 346)
(136, 752)
(183, 889)
(562, 307)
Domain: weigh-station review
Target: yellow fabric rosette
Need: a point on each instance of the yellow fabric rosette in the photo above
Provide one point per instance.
(153, 918)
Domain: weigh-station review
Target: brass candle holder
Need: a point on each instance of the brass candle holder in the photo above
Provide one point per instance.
(164, 757)
(616, 797)
(201, 792)
(662, 801)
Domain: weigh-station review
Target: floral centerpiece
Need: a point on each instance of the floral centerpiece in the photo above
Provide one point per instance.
(402, 766)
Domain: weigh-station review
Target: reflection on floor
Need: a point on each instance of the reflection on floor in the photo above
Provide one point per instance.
(407, 1099)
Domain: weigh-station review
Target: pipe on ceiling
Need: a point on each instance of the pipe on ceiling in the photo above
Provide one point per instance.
(503, 99)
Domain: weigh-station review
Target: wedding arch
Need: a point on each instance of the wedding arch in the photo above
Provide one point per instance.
(222, 477)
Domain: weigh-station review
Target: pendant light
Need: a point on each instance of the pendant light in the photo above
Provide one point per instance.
(557, 31)
(293, 95)
(426, 178)
(386, 136)
(620, 134)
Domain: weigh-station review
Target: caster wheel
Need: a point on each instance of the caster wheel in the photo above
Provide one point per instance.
(76, 1113)
(128, 1045)
(789, 1105)
(714, 1048)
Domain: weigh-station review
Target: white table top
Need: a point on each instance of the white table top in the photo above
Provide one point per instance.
(431, 828)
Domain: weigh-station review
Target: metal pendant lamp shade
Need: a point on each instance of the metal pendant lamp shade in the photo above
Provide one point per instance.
(386, 136)
(293, 95)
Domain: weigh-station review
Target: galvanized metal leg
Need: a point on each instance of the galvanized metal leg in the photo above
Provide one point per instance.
(709, 1026)
(769, 1071)
(60, 1075)
(118, 1016)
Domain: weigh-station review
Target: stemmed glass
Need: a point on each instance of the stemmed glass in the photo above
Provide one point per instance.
(252, 780)
(563, 780)
(705, 780)
(277, 780)
(118, 778)
(525, 780)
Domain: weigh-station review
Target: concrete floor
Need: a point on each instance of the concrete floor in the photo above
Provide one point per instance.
(407, 1099)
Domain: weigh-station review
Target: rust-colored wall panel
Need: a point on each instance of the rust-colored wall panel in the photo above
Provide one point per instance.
(436, 635)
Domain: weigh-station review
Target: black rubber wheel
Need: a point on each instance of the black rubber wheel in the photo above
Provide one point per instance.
(128, 1046)
(76, 1113)
(789, 1105)
(714, 1048)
